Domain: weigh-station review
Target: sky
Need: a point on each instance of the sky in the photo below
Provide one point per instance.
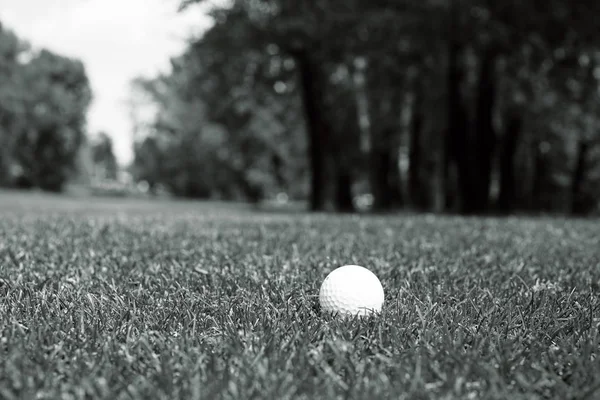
(117, 40)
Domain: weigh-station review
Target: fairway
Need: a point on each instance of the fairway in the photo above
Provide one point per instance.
(139, 299)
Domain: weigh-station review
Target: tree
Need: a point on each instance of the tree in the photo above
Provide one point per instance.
(247, 87)
(419, 197)
(11, 100)
(483, 35)
(296, 31)
(103, 157)
(179, 149)
(485, 90)
(507, 169)
(43, 103)
(147, 162)
(225, 108)
(58, 95)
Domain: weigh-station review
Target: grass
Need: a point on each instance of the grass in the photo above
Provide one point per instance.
(117, 299)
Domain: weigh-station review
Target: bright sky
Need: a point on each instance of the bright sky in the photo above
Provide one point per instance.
(117, 40)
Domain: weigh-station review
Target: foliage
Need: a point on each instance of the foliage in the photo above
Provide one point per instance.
(493, 90)
(58, 95)
(11, 103)
(223, 126)
(44, 99)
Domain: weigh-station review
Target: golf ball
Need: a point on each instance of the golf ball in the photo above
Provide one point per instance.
(351, 290)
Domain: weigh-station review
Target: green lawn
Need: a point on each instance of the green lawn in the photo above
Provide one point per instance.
(123, 299)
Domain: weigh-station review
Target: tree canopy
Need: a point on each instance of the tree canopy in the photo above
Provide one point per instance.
(44, 99)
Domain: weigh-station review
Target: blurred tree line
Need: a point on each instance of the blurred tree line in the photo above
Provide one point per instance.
(43, 103)
(466, 106)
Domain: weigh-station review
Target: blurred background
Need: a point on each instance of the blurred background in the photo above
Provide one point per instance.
(456, 106)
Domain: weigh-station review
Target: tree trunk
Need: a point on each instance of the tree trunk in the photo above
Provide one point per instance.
(312, 86)
(342, 170)
(342, 109)
(394, 177)
(579, 205)
(343, 192)
(4, 167)
(416, 185)
(537, 196)
(385, 174)
(525, 165)
(506, 196)
(379, 170)
(485, 137)
(456, 144)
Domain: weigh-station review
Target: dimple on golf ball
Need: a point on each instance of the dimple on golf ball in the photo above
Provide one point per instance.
(351, 290)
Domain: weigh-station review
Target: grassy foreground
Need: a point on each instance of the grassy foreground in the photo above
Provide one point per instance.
(115, 299)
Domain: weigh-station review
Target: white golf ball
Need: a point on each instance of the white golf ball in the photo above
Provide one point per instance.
(351, 290)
